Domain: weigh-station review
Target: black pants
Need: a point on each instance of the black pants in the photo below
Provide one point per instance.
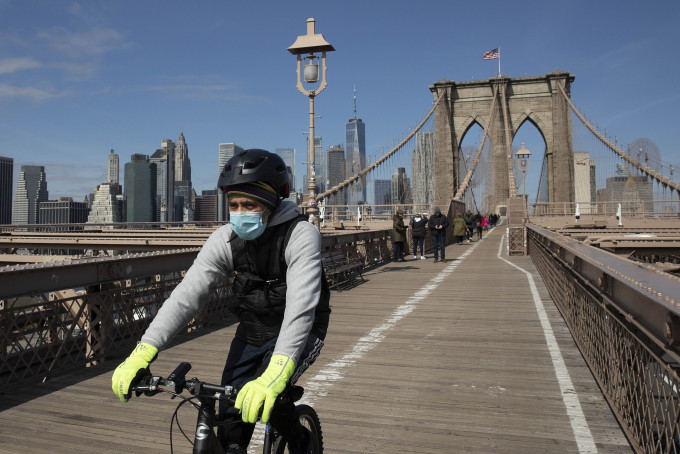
(246, 362)
(419, 241)
(398, 250)
(439, 245)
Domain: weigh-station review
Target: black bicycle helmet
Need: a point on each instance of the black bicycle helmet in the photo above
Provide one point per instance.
(256, 165)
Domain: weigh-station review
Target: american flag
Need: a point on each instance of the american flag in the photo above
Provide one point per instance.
(491, 55)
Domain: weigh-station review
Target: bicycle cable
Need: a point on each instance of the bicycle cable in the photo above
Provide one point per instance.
(175, 417)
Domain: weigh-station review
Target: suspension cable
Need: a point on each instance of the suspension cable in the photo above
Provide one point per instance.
(664, 181)
(473, 165)
(373, 166)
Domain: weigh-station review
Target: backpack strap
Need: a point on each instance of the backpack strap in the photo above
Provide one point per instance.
(238, 253)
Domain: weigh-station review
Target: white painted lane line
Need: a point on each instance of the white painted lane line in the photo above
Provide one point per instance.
(318, 385)
(579, 425)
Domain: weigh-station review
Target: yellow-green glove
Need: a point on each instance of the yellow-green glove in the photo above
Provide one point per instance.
(263, 391)
(132, 369)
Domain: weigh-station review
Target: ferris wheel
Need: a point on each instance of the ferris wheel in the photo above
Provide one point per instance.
(646, 152)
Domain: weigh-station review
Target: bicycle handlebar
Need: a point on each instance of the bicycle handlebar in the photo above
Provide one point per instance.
(153, 384)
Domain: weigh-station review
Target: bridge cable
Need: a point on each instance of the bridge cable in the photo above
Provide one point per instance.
(664, 181)
(373, 166)
(473, 165)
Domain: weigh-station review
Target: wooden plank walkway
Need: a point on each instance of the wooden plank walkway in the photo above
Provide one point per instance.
(422, 358)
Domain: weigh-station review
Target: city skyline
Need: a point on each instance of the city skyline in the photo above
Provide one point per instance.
(83, 77)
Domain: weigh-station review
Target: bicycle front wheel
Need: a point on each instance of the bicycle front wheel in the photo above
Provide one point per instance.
(309, 420)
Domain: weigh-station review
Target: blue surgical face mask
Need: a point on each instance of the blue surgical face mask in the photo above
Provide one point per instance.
(248, 225)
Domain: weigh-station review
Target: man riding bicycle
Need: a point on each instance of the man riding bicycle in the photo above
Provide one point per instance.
(280, 299)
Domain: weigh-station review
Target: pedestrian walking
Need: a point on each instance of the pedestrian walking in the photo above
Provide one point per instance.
(468, 216)
(438, 225)
(459, 228)
(398, 236)
(478, 224)
(418, 226)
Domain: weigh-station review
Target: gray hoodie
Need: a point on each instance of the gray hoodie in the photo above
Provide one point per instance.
(214, 265)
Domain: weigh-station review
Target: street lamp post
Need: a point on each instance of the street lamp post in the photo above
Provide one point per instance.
(310, 44)
(523, 156)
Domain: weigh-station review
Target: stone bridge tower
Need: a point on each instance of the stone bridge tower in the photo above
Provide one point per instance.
(534, 99)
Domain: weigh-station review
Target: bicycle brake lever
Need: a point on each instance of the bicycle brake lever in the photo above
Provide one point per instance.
(150, 389)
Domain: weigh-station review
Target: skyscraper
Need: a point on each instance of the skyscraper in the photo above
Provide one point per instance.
(183, 200)
(336, 173)
(106, 207)
(226, 151)
(31, 190)
(584, 185)
(288, 156)
(164, 158)
(355, 152)
(182, 161)
(206, 206)
(401, 187)
(63, 211)
(6, 176)
(113, 169)
(635, 193)
(140, 189)
(422, 164)
(383, 196)
(319, 167)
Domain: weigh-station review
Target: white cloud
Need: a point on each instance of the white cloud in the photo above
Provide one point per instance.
(11, 91)
(78, 71)
(91, 42)
(10, 65)
(200, 87)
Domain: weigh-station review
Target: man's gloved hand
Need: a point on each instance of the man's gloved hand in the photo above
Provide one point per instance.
(263, 391)
(128, 373)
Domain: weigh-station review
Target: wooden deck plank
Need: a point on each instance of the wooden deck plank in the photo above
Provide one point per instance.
(464, 369)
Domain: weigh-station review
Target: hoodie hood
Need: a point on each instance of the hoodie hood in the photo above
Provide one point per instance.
(286, 211)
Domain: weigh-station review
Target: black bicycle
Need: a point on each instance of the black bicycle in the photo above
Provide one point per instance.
(205, 396)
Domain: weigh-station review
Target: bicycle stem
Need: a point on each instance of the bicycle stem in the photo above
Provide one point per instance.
(205, 421)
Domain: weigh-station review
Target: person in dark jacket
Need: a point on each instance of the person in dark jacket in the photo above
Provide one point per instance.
(438, 224)
(398, 236)
(468, 216)
(418, 229)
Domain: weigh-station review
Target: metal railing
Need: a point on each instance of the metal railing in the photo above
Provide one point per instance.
(60, 316)
(104, 227)
(638, 209)
(361, 214)
(625, 319)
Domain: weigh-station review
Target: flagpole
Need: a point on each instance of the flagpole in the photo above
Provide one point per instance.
(499, 61)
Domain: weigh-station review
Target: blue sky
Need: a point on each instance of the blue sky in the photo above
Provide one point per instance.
(78, 78)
